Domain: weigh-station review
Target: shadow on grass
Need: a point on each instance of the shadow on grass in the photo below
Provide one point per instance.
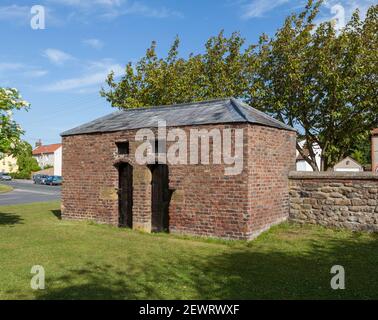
(57, 214)
(238, 273)
(96, 282)
(10, 219)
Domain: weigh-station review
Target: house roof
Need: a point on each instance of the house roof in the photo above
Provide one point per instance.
(340, 163)
(227, 110)
(51, 148)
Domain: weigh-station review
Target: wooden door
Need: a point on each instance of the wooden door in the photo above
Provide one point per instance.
(125, 195)
(160, 198)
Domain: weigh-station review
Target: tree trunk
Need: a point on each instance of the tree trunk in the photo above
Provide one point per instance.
(322, 164)
(313, 164)
(311, 160)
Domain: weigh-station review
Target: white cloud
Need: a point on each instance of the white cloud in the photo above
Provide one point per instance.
(94, 43)
(20, 69)
(110, 9)
(21, 15)
(341, 10)
(14, 12)
(338, 12)
(147, 11)
(57, 56)
(96, 73)
(10, 66)
(88, 3)
(258, 8)
(35, 73)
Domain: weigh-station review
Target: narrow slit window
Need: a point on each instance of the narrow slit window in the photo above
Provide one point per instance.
(123, 147)
(159, 146)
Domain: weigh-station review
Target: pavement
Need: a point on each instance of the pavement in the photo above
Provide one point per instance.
(25, 191)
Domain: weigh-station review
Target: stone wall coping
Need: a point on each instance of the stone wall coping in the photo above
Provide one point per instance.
(332, 175)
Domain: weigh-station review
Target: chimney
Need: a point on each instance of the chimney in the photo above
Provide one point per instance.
(374, 150)
(38, 143)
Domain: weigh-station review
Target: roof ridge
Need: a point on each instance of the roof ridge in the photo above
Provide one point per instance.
(50, 144)
(263, 114)
(48, 148)
(236, 109)
(351, 158)
(175, 105)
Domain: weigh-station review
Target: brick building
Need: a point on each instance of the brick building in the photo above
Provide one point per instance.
(103, 181)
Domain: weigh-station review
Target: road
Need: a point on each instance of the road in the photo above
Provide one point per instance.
(27, 192)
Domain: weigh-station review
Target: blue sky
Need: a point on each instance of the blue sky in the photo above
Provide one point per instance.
(60, 69)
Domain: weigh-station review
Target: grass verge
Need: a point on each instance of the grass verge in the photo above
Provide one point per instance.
(4, 188)
(88, 261)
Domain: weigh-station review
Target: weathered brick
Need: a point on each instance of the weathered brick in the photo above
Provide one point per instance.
(204, 201)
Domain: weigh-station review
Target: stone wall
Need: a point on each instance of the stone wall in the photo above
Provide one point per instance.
(335, 199)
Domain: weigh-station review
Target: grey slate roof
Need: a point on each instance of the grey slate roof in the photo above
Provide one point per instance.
(207, 112)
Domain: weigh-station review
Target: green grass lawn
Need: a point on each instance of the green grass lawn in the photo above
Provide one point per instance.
(4, 188)
(86, 260)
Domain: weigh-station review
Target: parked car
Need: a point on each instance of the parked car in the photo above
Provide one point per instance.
(47, 180)
(54, 180)
(5, 176)
(40, 178)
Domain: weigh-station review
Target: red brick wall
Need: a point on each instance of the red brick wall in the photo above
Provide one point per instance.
(205, 202)
(271, 158)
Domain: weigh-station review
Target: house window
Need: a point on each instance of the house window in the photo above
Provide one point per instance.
(123, 147)
(347, 163)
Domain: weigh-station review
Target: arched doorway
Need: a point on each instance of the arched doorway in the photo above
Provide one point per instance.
(125, 195)
(160, 198)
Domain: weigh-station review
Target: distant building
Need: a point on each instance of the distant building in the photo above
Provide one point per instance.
(8, 164)
(348, 164)
(49, 155)
(374, 150)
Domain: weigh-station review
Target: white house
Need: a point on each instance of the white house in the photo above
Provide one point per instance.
(302, 165)
(348, 164)
(49, 155)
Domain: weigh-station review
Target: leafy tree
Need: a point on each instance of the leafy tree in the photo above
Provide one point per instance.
(10, 131)
(321, 81)
(361, 151)
(315, 78)
(222, 71)
(25, 161)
